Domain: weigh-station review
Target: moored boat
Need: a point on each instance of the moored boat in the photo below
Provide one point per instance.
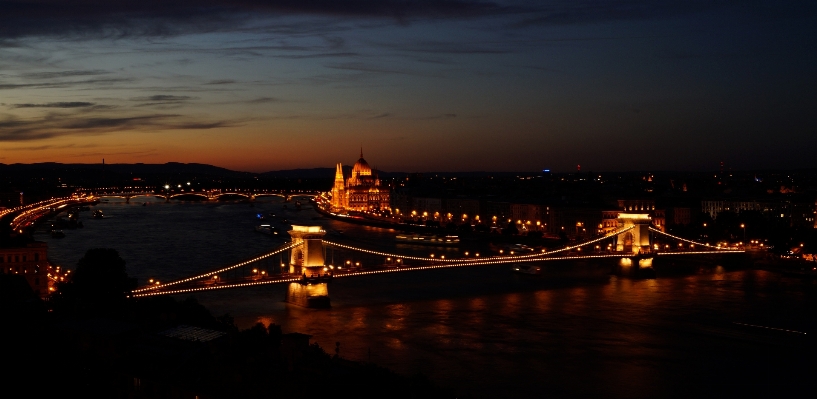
(427, 239)
(527, 269)
(267, 229)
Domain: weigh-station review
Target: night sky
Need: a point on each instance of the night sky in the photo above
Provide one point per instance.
(450, 85)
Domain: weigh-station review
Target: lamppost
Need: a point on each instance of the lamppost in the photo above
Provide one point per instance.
(743, 226)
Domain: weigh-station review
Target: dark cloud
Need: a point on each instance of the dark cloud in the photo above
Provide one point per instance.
(377, 69)
(52, 147)
(163, 101)
(72, 104)
(264, 100)
(569, 12)
(62, 74)
(221, 82)
(64, 84)
(162, 97)
(445, 47)
(125, 18)
(55, 125)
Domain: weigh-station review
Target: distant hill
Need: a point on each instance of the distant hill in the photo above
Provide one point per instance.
(136, 169)
(320, 173)
(314, 173)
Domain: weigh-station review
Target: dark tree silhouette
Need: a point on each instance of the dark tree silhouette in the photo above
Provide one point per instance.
(511, 229)
(100, 278)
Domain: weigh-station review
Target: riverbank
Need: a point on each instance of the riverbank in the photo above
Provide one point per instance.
(466, 236)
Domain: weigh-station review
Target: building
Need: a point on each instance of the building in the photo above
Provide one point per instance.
(29, 260)
(529, 216)
(679, 216)
(361, 192)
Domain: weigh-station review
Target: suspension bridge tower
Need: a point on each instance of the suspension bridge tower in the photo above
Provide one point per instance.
(637, 239)
(307, 259)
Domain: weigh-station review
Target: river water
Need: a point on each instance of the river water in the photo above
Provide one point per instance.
(482, 331)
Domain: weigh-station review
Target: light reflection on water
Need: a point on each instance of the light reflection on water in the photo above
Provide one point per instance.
(484, 331)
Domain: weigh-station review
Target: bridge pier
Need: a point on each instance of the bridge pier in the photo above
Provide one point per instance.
(312, 291)
(639, 266)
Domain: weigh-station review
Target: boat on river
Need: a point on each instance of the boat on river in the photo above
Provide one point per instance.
(531, 270)
(427, 239)
(98, 214)
(267, 229)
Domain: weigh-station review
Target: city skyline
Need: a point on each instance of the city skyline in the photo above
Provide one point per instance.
(422, 86)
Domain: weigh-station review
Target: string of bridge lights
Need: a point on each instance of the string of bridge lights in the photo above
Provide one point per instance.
(516, 257)
(690, 241)
(482, 262)
(228, 268)
(214, 287)
(720, 251)
(446, 263)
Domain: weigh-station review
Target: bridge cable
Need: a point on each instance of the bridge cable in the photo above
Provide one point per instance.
(231, 267)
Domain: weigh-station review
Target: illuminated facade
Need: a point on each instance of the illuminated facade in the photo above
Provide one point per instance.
(31, 261)
(362, 191)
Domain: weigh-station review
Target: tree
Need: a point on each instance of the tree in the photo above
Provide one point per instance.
(510, 229)
(100, 278)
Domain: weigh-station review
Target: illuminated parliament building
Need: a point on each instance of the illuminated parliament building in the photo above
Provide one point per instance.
(362, 191)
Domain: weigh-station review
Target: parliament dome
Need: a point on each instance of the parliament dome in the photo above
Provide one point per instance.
(361, 167)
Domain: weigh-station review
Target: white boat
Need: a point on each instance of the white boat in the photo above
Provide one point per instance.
(427, 239)
(266, 229)
(527, 269)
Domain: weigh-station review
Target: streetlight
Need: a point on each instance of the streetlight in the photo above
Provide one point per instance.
(743, 226)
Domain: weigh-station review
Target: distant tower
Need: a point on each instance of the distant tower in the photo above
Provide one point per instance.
(339, 189)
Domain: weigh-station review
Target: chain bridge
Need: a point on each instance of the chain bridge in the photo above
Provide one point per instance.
(309, 262)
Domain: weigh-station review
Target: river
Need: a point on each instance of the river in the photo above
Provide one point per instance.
(482, 331)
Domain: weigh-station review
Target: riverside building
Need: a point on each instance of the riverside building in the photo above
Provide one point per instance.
(361, 192)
